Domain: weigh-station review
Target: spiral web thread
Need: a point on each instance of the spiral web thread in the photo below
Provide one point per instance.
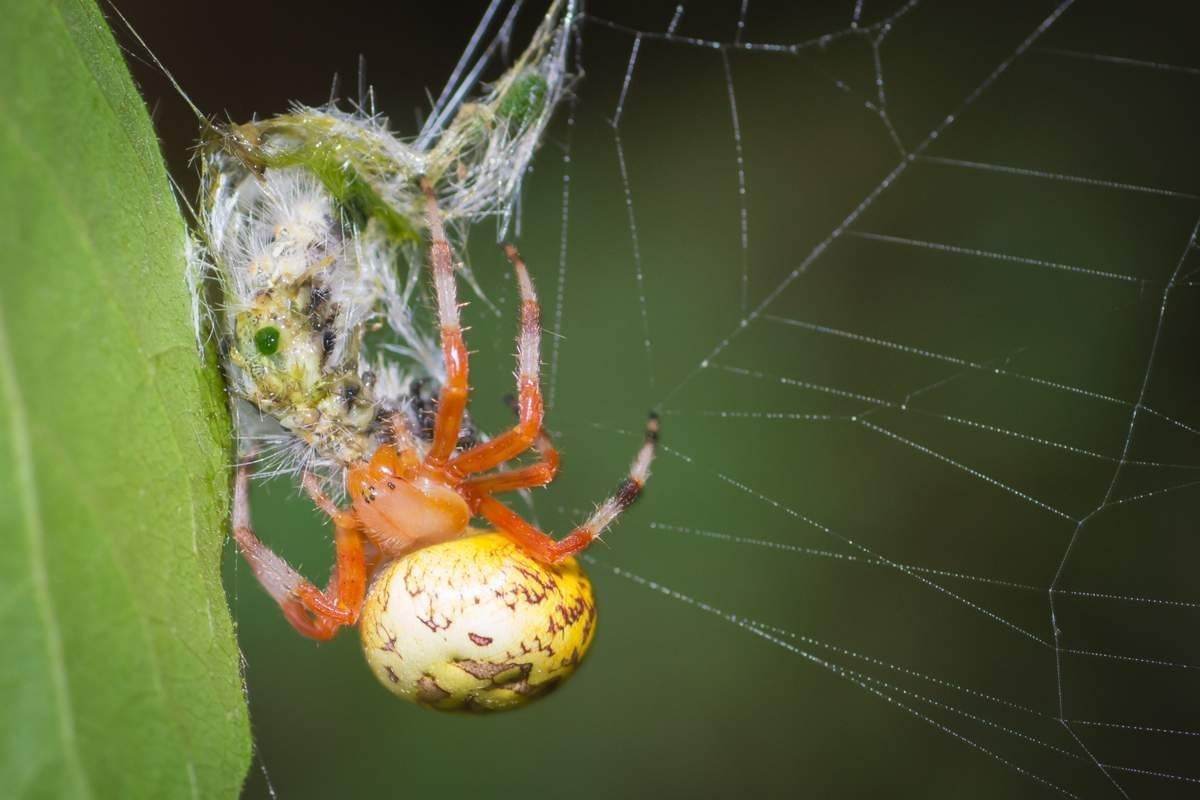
(1145, 457)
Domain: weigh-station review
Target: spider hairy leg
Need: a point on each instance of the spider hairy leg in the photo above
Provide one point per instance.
(315, 614)
(342, 599)
(452, 402)
(539, 474)
(521, 437)
(546, 549)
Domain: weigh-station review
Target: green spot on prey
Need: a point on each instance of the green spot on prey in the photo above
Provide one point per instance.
(267, 340)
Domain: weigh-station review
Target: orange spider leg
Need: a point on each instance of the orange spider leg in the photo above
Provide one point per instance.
(318, 628)
(543, 547)
(342, 599)
(518, 439)
(538, 474)
(296, 596)
(452, 401)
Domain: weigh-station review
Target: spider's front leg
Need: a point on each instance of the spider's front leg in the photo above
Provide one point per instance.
(524, 434)
(452, 402)
(314, 613)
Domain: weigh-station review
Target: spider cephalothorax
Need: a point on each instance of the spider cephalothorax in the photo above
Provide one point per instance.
(411, 504)
(404, 503)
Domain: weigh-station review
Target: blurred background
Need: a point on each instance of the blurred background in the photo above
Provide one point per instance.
(925, 524)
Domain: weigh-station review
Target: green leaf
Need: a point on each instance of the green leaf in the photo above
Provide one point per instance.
(119, 673)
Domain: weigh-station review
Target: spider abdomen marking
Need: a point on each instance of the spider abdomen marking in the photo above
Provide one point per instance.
(476, 624)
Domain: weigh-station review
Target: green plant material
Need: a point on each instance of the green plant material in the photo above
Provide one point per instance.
(120, 674)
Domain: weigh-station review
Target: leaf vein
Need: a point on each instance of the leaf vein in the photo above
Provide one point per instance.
(39, 571)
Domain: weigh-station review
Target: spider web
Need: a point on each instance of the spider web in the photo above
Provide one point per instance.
(933, 371)
(912, 285)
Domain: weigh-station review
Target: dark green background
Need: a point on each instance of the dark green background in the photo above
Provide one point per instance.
(677, 700)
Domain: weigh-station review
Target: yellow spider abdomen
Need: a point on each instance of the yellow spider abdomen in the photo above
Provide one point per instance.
(475, 624)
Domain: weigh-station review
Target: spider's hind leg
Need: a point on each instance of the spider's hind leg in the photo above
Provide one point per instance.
(543, 547)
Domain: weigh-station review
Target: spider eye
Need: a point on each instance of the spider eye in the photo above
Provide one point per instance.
(267, 340)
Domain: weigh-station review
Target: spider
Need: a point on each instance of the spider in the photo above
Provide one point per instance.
(411, 495)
